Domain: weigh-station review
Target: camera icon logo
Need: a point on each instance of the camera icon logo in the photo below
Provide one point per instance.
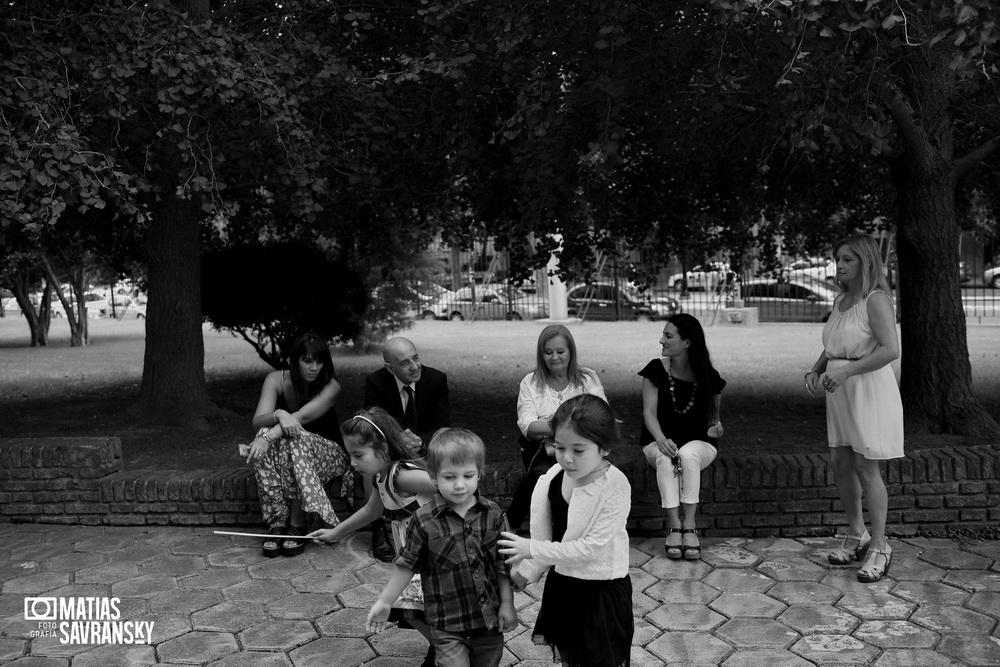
(41, 609)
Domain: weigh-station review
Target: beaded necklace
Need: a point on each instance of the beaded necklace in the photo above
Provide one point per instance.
(673, 401)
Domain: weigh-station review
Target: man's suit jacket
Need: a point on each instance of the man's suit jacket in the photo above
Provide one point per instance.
(431, 392)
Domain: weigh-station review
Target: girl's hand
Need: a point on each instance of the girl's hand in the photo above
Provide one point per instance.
(325, 535)
(715, 430)
(667, 448)
(257, 450)
(517, 548)
(517, 582)
(812, 379)
(833, 380)
(378, 615)
(290, 426)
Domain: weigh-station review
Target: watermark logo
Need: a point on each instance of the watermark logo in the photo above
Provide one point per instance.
(85, 620)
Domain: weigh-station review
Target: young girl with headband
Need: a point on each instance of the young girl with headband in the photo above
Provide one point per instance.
(379, 450)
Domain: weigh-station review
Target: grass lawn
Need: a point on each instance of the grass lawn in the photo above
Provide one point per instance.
(63, 391)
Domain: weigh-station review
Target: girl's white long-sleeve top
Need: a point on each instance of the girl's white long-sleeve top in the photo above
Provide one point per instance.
(595, 545)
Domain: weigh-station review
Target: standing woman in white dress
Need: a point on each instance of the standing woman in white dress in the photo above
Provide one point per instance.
(864, 413)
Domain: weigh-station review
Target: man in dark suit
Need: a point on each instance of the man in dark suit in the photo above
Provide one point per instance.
(416, 395)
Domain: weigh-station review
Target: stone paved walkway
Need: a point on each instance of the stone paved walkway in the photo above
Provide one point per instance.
(215, 600)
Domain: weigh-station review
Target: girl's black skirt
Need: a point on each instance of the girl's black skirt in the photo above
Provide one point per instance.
(586, 623)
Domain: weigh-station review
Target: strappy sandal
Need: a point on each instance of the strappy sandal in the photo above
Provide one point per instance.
(690, 552)
(674, 551)
(271, 547)
(870, 572)
(291, 547)
(844, 555)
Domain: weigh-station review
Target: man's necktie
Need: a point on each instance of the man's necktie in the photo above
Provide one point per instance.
(410, 414)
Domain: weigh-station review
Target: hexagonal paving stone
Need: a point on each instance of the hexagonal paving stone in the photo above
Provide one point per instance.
(642, 604)
(664, 568)
(971, 649)
(81, 591)
(35, 584)
(772, 547)
(876, 606)
(235, 557)
(362, 596)
(280, 568)
(739, 580)
(834, 649)
(638, 657)
(725, 555)
(257, 590)
(104, 544)
(950, 620)
(757, 633)
(214, 579)
(735, 604)
(11, 570)
(814, 619)
(340, 558)
(953, 559)
(132, 607)
(769, 657)
(637, 558)
(914, 569)
(895, 634)
(107, 573)
(51, 647)
(924, 543)
(984, 601)
(895, 657)
(348, 622)
(164, 627)
(303, 606)
(682, 616)
(184, 601)
(989, 548)
(144, 586)
(71, 562)
(641, 580)
(255, 658)
(645, 632)
(689, 648)
(198, 647)
(682, 591)
(324, 582)
(791, 568)
(797, 592)
(40, 552)
(930, 592)
(349, 652)
(166, 534)
(228, 617)
(376, 573)
(974, 580)
(846, 580)
(116, 656)
(176, 566)
(650, 545)
(11, 649)
(277, 635)
(201, 546)
(135, 554)
(399, 642)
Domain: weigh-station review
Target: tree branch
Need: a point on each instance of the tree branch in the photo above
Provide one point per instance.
(975, 157)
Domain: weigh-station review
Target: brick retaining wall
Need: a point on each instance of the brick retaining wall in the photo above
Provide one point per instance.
(81, 481)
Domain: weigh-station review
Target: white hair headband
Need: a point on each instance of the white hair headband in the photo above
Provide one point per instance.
(373, 424)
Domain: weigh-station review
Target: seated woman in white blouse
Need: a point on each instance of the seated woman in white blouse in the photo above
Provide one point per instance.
(556, 377)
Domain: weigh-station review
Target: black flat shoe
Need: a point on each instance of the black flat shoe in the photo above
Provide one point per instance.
(271, 546)
(293, 547)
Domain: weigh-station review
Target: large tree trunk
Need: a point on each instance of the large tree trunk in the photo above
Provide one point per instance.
(936, 383)
(173, 389)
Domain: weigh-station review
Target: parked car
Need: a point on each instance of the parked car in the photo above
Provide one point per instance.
(701, 277)
(992, 277)
(792, 300)
(816, 268)
(604, 300)
(481, 303)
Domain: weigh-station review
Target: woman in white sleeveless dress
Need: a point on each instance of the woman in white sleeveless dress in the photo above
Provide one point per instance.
(864, 413)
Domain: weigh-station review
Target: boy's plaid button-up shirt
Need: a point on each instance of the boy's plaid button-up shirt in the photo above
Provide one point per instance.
(459, 563)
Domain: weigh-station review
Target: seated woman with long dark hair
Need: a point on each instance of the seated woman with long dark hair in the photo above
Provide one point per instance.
(297, 451)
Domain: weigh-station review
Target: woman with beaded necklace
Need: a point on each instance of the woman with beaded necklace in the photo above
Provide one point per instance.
(681, 394)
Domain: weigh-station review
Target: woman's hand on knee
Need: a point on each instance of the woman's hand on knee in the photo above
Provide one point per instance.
(257, 450)
(667, 447)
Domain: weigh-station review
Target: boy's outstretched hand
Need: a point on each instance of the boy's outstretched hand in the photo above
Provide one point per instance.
(516, 548)
(378, 615)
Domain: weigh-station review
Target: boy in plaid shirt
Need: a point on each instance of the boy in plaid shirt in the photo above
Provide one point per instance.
(452, 543)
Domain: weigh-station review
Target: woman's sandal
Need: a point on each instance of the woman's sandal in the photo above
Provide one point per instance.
(674, 551)
(271, 547)
(291, 547)
(690, 552)
(871, 572)
(844, 555)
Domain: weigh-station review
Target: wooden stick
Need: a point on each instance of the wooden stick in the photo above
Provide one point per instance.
(277, 537)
